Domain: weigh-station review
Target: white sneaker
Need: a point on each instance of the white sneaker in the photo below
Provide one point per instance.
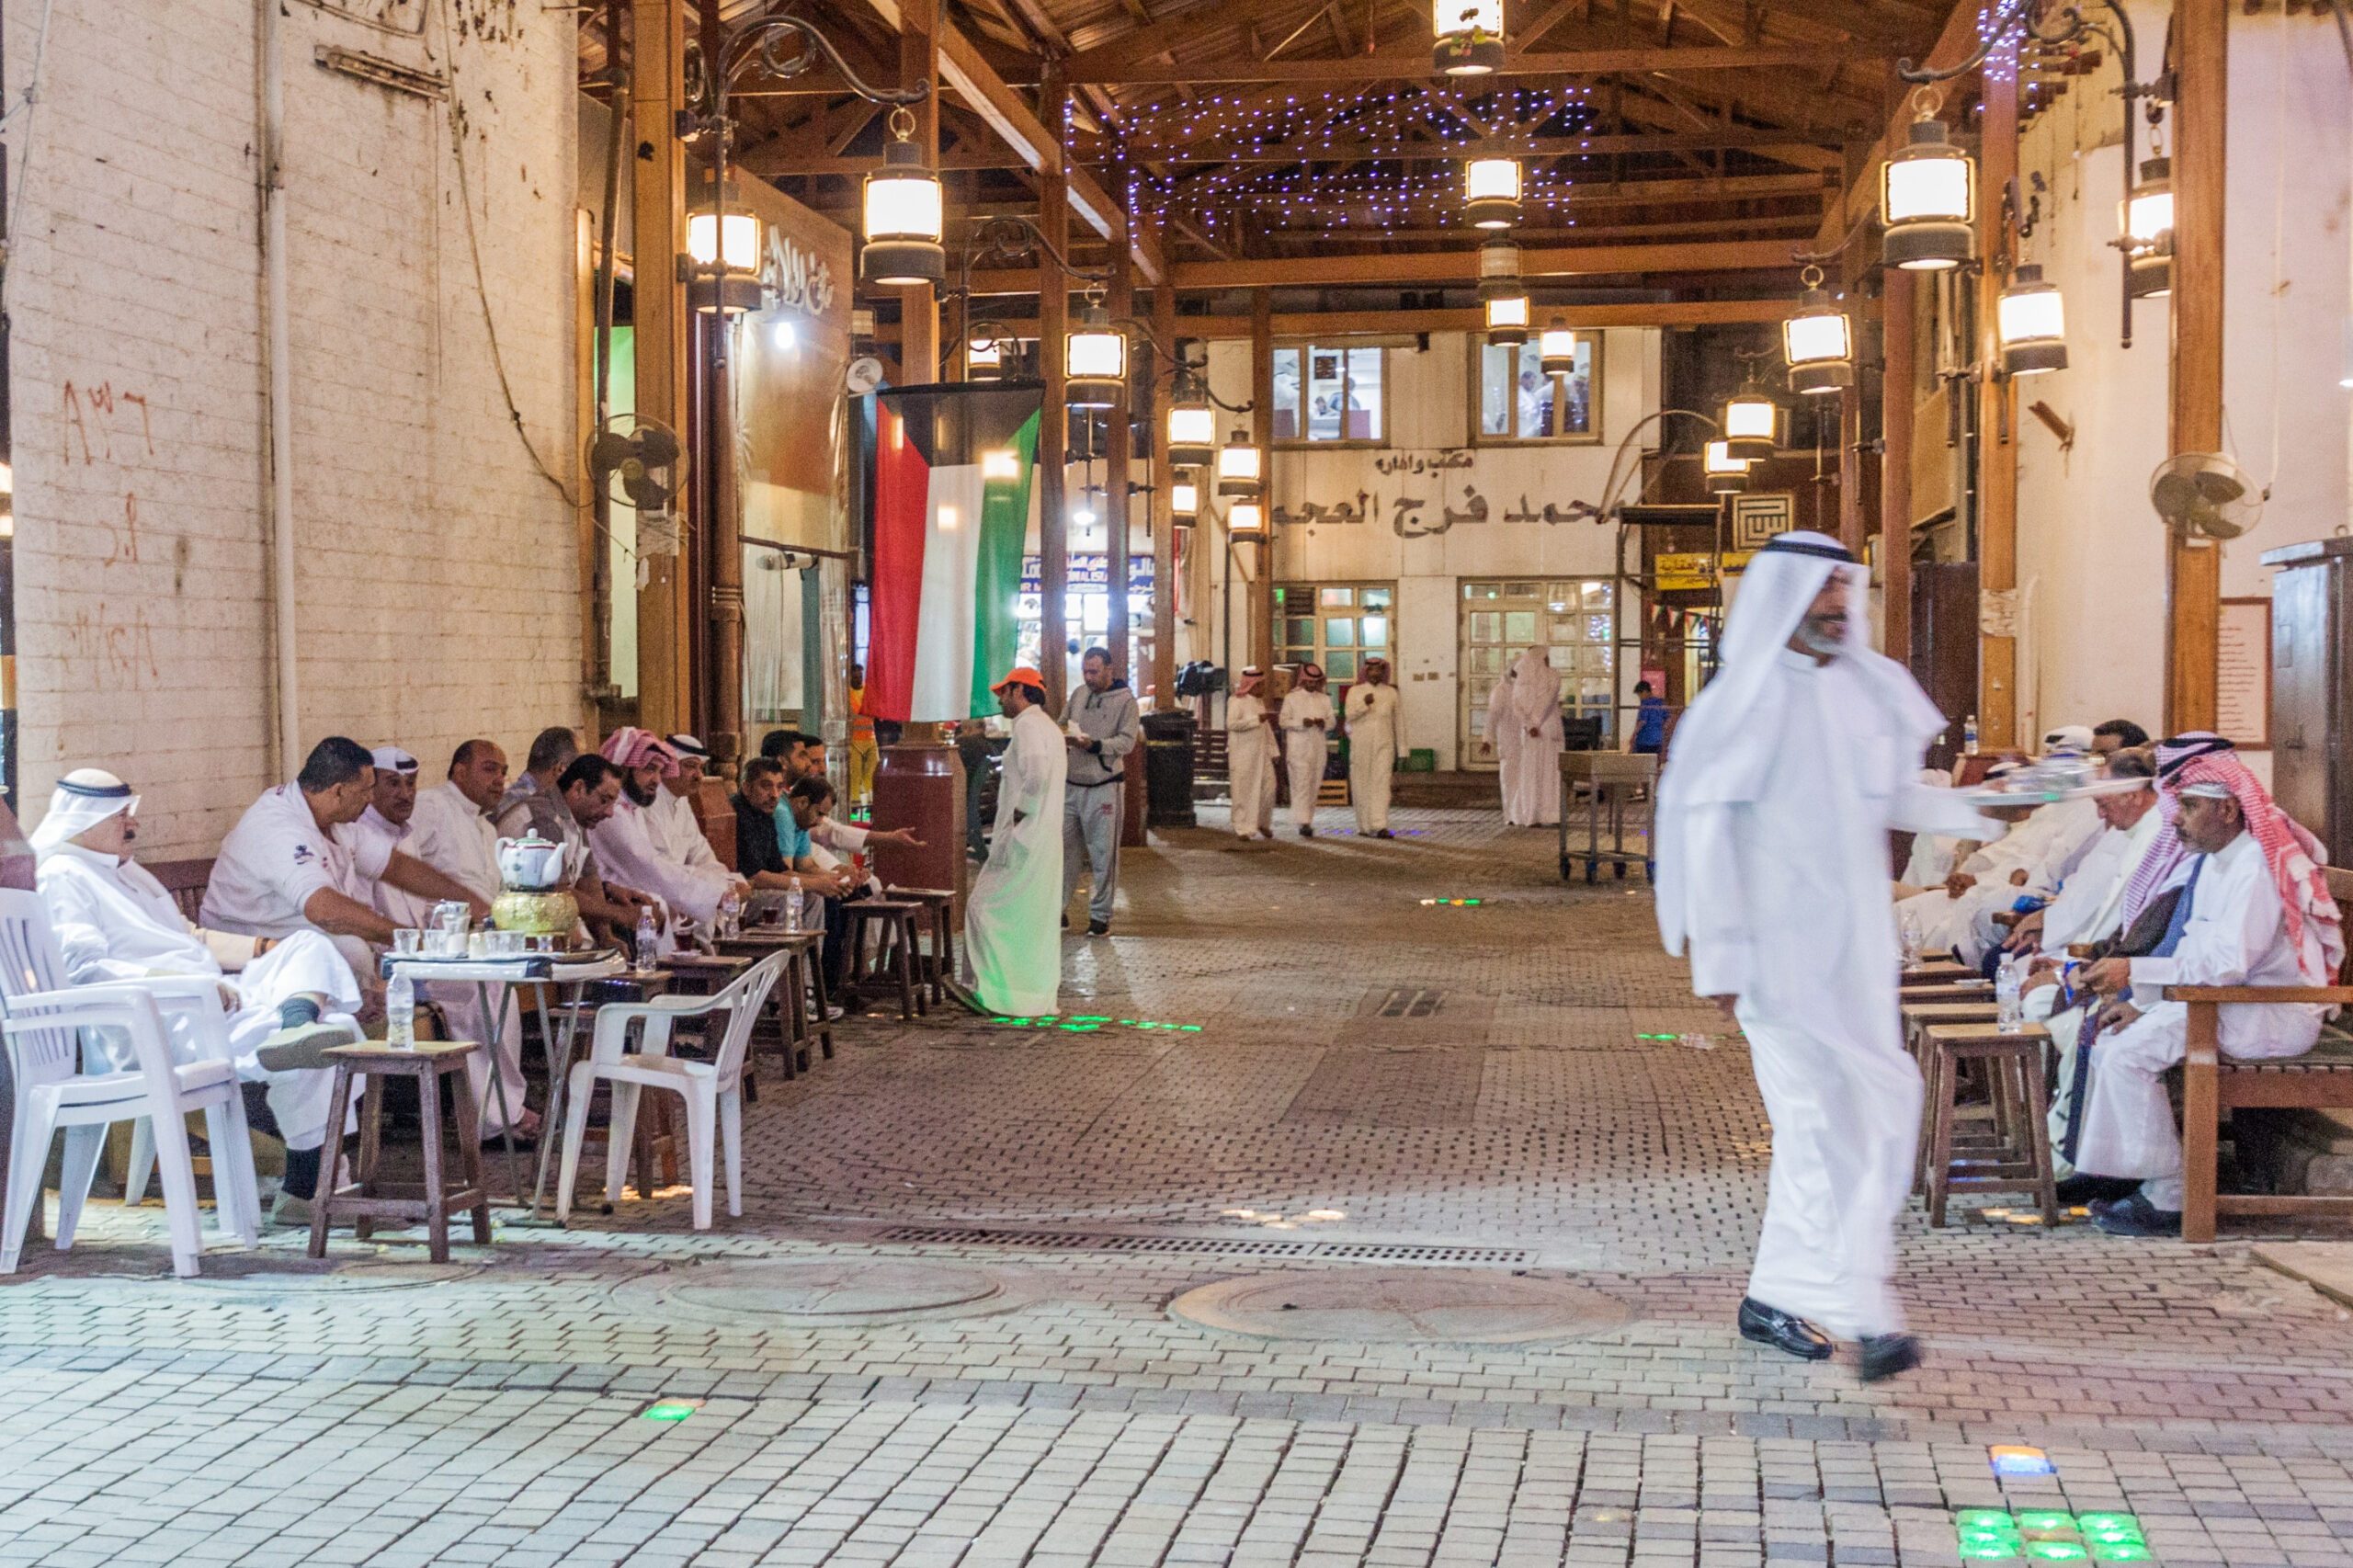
(304, 1045)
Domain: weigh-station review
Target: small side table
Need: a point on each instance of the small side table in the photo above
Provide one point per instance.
(371, 1198)
(938, 966)
(2014, 1156)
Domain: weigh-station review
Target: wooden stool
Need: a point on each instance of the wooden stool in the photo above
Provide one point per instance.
(897, 919)
(2017, 1154)
(371, 1198)
(939, 906)
(804, 1005)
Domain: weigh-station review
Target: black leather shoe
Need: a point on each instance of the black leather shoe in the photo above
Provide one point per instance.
(1782, 1331)
(2084, 1188)
(1885, 1354)
(1099, 928)
(2134, 1215)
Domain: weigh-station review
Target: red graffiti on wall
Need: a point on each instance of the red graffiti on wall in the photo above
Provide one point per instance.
(96, 412)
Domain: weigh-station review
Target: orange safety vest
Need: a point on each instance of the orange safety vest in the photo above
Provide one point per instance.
(861, 727)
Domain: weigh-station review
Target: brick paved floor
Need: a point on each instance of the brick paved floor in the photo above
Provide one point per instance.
(383, 1411)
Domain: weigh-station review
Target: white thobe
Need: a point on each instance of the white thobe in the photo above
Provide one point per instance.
(1372, 752)
(450, 833)
(2042, 846)
(2235, 935)
(1795, 922)
(677, 832)
(1012, 924)
(625, 848)
(1532, 774)
(114, 922)
(275, 858)
(1306, 748)
(1250, 765)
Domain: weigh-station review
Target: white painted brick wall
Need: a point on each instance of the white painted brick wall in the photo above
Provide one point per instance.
(438, 569)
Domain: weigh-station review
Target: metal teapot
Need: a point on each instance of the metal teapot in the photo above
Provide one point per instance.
(530, 864)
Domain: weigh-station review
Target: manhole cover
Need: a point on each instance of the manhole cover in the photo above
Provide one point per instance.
(260, 1274)
(840, 1293)
(1453, 1306)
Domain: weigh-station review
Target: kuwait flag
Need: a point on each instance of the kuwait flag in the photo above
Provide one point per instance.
(947, 497)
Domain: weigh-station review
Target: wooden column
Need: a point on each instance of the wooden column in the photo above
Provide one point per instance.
(1997, 453)
(2194, 567)
(1262, 425)
(1163, 517)
(1053, 427)
(658, 227)
(1897, 390)
(1851, 522)
(918, 305)
(719, 710)
(1120, 297)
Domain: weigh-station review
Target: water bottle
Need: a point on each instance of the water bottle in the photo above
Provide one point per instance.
(400, 1012)
(792, 896)
(730, 915)
(649, 942)
(2007, 1002)
(1969, 735)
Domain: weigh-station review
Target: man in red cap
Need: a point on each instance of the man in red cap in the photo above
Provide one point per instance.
(1012, 924)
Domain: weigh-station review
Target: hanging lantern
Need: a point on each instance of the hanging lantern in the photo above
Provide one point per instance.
(2031, 320)
(1239, 467)
(2148, 231)
(1506, 319)
(1929, 201)
(1245, 517)
(1752, 424)
(1185, 500)
(1557, 349)
(1818, 342)
(1095, 360)
(1727, 474)
(904, 214)
(1467, 36)
(984, 358)
(724, 259)
(1491, 192)
(1192, 426)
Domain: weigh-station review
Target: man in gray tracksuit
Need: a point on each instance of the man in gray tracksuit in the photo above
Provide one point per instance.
(1101, 727)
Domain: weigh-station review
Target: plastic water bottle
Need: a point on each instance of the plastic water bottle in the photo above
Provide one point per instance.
(649, 941)
(2007, 1003)
(730, 915)
(792, 897)
(400, 1012)
(1969, 735)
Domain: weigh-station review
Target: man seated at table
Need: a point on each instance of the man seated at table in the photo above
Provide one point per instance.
(676, 822)
(2026, 863)
(292, 863)
(561, 796)
(766, 858)
(447, 828)
(2254, 910)
(806, 759)
(625, 841)
(286, 1000)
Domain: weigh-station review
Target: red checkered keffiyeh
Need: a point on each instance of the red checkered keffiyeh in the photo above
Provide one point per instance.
(630, 747)
(2291, 852)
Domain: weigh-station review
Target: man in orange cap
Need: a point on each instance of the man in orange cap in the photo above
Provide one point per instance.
(1012, 923)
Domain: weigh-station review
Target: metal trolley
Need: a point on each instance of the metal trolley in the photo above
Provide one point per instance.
(1610, 777)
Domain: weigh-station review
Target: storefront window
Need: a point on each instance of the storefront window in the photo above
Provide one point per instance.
(1335, 625)
(1325, 393)
(1572, 619)
(1517, 401)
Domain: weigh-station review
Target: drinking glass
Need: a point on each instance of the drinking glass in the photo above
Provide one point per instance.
(408, 941)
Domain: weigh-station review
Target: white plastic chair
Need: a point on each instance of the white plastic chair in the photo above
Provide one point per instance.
(42, 1020)
(712, 1090)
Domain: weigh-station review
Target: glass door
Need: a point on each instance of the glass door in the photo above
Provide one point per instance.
(1571, 620)
(1335, 625)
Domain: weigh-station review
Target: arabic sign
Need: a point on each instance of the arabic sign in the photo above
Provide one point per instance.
(795, 280)
(1092, 571)
(1412, 517)
(1677, 571)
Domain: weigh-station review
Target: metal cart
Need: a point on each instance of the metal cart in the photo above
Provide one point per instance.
(1613, 776)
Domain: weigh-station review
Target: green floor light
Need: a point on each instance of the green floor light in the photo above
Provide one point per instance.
(1968, 1518)
(2056, 1550)
(668, 1410)
(2121, 1551)
(2046, 1519)
(2089, 1523)
(1992, 1551)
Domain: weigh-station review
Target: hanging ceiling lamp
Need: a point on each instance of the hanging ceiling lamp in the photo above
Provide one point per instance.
(1927, 198)
(1245, 517)
(904, 214)
(1502, 296)
(1752, 424)
(2148, 230)
(1727, 474)
(1095, 360)
(1491, 192)
(1185, 500)
(1467, 36)
(2031, 318)
(1192, 423)
(1818, 341)
(1239, 467)
(1557, 349)
(723, 257)
(984, 357)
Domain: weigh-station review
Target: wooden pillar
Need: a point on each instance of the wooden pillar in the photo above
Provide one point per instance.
(1262, 425)
(1997, 453)
(919, 306)
(1121, 300)
(1851, 522)
(1053, 425)
(665, 609)
(1163, 517)
(2194, 566)
(1897, 390)
(719, 710)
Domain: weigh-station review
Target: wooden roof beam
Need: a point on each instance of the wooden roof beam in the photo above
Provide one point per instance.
(1311, 323)
(1402, 65)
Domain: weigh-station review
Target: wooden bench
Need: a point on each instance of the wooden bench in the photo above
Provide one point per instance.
(2214, 1085)
(185, 881)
